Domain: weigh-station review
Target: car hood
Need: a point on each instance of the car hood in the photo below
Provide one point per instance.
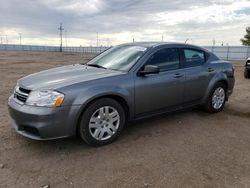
(63, 76)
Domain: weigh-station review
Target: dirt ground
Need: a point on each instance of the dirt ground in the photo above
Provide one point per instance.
(185, 149)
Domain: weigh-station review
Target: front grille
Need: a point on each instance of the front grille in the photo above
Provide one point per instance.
(24, 90)
(21, 94)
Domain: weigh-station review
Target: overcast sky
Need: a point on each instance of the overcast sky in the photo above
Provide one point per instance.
(119, 21)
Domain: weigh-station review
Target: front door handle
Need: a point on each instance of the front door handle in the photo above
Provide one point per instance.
(178, 75)
(210, 70)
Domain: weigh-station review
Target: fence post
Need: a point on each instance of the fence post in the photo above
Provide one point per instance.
(227, 52)
(247, 52)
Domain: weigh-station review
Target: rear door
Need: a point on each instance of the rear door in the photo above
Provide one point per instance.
(198, 74)
(158, 91)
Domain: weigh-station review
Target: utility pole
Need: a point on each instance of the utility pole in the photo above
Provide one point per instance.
(66, 39)
(162, 37)
(108, 42)
(133, 40)
(6, 39)
(61, 29)
(213, 42)
(20, 38)
(97, 39)
(2, 39)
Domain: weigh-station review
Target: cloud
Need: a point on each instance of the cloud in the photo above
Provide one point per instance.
(120, 21)
(76, 6)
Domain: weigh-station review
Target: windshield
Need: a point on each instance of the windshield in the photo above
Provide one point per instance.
(120, 58)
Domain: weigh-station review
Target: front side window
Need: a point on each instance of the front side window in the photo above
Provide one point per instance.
(166, 59)
(120, 58)
(194, 57)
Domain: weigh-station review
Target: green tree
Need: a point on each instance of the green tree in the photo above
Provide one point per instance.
(246, 40)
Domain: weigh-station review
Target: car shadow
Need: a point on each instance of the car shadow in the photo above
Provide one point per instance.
(133, 131)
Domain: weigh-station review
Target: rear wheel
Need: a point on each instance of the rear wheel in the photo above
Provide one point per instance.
(246, 73)
(102, 122)
(217, 98)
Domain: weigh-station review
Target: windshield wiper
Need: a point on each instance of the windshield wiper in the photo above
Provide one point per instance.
(96, 65)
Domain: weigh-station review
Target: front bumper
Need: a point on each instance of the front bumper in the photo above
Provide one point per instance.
(43, 123)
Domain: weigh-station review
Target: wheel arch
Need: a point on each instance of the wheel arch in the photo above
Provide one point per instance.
(211, 85)
(223, 82)
(121, 100)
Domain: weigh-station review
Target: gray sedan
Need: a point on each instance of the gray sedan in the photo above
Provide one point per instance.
(126, 82)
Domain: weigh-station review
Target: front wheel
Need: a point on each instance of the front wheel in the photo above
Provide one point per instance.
(246, 73)
(102, 122)
(217, 98)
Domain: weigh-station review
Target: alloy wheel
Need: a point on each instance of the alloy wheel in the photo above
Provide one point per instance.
(104, 123)
(218, 98)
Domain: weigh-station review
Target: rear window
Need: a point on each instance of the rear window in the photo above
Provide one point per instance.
(194, 57)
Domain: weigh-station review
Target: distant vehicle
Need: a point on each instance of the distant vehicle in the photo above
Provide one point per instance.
(126, 82)
(247, 68)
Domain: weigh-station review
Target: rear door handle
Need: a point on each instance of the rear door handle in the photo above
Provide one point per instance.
(210, 70)
(178, 75)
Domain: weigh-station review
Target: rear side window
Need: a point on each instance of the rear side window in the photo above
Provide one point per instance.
(166, 59)
(194, 57)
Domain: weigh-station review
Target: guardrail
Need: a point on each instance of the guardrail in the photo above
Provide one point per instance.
(224, 52)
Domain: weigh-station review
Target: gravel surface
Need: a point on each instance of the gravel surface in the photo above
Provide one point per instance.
(184, 149)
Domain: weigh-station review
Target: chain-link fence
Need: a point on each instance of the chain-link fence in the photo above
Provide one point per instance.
(34, 48)
(230, 52)
(224, 52)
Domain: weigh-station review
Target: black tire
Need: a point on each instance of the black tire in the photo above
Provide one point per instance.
(83, 128)
(208, 105)
(246, 73)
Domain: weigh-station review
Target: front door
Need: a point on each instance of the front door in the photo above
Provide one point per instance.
(165, 89)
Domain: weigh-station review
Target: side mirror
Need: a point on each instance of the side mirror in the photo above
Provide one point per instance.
(149, 69)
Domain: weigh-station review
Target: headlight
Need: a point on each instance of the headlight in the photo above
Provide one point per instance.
(248, 63)
(45, 98)
(15, 88)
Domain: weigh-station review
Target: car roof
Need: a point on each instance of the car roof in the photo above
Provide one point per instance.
(156, 44)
